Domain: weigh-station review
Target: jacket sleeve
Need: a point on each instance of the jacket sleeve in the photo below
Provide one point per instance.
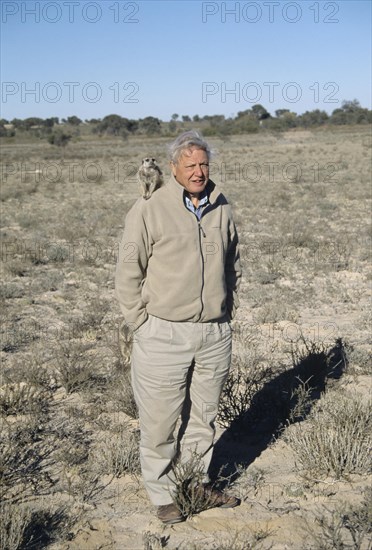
(233, 272)
(131, 267)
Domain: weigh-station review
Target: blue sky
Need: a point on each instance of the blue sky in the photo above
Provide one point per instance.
(136, 59)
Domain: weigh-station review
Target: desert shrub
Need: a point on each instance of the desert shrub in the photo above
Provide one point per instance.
(153, 541)
(78, 472)
(248, 374)
(122, 394)
(301, 399)
(189, 491)
(76, 443)
(118, 453)
(251, 481)
(73, 365)
(11, 290)
(14, 521)
(24, 454)
(59, 138)
(336, 439)
(188, 478)
(81, 484)
(360, 358)
(93, 315)
(23, 398)
(17, 267)
(242, 384)
(345, 527)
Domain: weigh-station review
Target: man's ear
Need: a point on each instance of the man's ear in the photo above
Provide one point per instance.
(172, 167)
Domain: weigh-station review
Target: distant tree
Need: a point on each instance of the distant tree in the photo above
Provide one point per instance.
(351, 112)
(111, 124)
(196, 118)
(226, 128)
(313, 118)
(150, 125)
(18, 123)
(246, 122)
(74, 120)
(218, 125)
(339, 117)
(116, 125)
(281, 112)
(350, 106)
(284, 121)
(132, 125)
(50, 122)
(260, 112)
(124, 134)
(59, 138)
(289, 119)
(186, 118)
(32, 121)
(172, 126)
(93, 121)
(175, 116)
(4, 132)
(214, 120)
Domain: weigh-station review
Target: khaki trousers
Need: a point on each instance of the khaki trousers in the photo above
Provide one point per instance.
(178, 368)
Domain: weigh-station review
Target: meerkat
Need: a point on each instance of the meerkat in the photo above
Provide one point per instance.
(150, 177)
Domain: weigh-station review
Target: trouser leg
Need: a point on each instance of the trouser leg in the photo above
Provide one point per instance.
(159, 373)
(211, 368)
(163, 353)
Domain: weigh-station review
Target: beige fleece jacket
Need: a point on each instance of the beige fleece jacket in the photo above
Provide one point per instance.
(174, 267)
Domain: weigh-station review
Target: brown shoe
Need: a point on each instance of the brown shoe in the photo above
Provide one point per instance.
(169, 513)
(217, 499)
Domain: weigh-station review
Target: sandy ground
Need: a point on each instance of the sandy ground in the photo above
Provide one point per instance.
(305, 253)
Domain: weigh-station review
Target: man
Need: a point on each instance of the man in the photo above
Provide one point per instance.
(177, 278)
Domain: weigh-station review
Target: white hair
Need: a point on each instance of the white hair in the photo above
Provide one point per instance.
(185, 141)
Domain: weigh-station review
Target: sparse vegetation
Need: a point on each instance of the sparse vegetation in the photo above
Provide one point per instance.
(246, 378)
(252, 120)
(188, 478)
(336, 438)
(346, 527)
(13, 524)
(118, 453)
(301, 358)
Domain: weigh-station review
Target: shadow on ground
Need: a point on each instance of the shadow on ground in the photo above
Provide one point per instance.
(45, 528)
(275, 405)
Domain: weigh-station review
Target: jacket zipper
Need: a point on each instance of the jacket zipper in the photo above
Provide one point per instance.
(201, 232)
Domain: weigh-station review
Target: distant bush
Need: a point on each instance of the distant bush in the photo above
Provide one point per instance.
(59, 138)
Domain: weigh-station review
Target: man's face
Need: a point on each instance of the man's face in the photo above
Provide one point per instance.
(192, 170)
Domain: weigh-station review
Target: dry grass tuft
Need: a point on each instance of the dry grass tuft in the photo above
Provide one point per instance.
(118, 453)
(242, 384)
(13, 524)
(188, 491)
(74, 365)
(336, 438)
(346, 527)
(24, 453)
(23, 398)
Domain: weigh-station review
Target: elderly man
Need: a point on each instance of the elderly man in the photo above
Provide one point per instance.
(177, 278)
